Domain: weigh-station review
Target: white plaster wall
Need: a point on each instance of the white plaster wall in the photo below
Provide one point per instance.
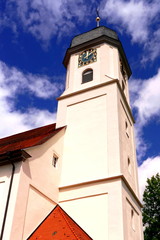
(4, 186)
(38, 187)
(132, 227)
(89, 217)
(127, 145)
(105, 69)
(5, 177)
(85, 147)
(91, 143)
(113, 148)
(96, 207)
(38, 207)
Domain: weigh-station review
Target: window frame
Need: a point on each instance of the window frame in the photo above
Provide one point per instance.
(55, 159)
(84, 73)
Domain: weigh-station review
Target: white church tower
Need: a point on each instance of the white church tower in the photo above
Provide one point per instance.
(99, 184)
(77, 179)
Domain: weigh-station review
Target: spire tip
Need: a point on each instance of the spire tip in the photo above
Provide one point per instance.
(98, 18)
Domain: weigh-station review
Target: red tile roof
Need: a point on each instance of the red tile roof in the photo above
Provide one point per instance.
(27, 139)
(59, 226)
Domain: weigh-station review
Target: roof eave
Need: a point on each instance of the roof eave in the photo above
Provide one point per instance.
(13, 156)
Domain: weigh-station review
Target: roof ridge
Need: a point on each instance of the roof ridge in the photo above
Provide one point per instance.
(63, 215)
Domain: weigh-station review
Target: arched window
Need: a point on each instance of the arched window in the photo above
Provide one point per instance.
(87, 76)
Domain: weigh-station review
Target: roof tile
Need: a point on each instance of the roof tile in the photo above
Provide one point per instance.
(58, 225)
(27, 139)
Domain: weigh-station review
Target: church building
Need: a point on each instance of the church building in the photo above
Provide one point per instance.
(77, 179)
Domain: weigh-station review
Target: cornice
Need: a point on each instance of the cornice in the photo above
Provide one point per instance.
(99, 86)
(99, 181)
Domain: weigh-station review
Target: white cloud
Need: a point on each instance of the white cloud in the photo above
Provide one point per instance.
(12, 83)
(15, 121)
(148, 101)
(141, 144)
(145, 96)
(45, 19)
(150, 167)
(135, 16)
(139, 19)
(152, 47)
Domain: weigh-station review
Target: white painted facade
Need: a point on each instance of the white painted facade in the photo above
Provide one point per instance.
(95, 180)
(99, 184)
(34, 190)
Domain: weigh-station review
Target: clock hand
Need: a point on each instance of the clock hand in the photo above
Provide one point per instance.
(88, 54)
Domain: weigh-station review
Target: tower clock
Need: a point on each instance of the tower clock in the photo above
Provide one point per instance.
(88, 56)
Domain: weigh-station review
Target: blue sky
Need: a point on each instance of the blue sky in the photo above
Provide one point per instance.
(34, 35)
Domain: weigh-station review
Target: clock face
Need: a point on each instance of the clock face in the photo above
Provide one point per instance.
(88, 56)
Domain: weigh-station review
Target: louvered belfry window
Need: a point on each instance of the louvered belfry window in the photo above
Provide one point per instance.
(87, 76)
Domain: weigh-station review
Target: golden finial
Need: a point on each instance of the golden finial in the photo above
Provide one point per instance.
(97, 18)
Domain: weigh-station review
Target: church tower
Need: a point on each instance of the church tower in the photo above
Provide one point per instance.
(99, 184)
(77, 178)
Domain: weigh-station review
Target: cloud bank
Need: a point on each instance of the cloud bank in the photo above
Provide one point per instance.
(145, 96)
(13, 83)
(44, 19)
(136, 18)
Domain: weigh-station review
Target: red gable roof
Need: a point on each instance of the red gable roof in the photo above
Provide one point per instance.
(59, 226)
(27, 139)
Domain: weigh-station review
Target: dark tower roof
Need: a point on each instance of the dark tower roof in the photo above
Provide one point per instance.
(94, 37)
(94, 33)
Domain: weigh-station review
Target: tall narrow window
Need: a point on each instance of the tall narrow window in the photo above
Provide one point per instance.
(127, 128)
(129, 165)
(133, 219)
(54, 160)
(87, 76)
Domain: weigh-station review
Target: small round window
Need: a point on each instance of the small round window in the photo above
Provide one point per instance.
(87, 76)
